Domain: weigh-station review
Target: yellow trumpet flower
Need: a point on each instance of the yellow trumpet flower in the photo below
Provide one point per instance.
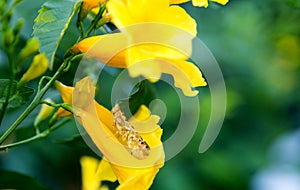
(150, 44)
(132, 147)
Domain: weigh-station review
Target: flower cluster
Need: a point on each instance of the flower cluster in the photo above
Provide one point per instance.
(154, 38)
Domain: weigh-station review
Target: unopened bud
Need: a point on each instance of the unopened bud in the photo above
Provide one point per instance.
(44, 113)
(7, 16)
(18, 27)
(83, 13)
(30, 48)
(8, 37)
(37, 68)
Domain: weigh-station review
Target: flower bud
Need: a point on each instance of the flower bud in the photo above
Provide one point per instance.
(18, 27)
(8, 15)
(8, 37)
(30, 48)
(82, 14)
(44, 113)
(37, 68)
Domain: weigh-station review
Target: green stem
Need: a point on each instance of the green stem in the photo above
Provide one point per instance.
(35, 102)
(94, 22)
(10, 53)
(36, 137)
(65, 106)
(41, 82)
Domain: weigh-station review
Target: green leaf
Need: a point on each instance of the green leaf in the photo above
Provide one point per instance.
(51, 24)
(18, 97)
(14, 180)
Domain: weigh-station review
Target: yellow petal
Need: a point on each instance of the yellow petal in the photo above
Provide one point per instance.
(150, 69)
(108, 49)
(65, 91)
(131, 178)
(144, 122)
(204, 3)
(105, 171)
(66, 95)
(191, 71)
(223, 2)
(104, 187)
(200, 3)
(168, 49)
(89, 166)
(186, 75)
(105, 116)
(179, 18)
(129, 12)
(116, 8)
(178, 1)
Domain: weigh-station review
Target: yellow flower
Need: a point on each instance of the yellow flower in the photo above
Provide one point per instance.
(38, 67)
(66, 95)
(151, 44)
(128, 12)
(93, 172)
(132, 168)
(44, 113)
(199, 3)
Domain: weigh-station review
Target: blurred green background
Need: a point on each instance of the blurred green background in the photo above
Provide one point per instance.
(257, 46)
